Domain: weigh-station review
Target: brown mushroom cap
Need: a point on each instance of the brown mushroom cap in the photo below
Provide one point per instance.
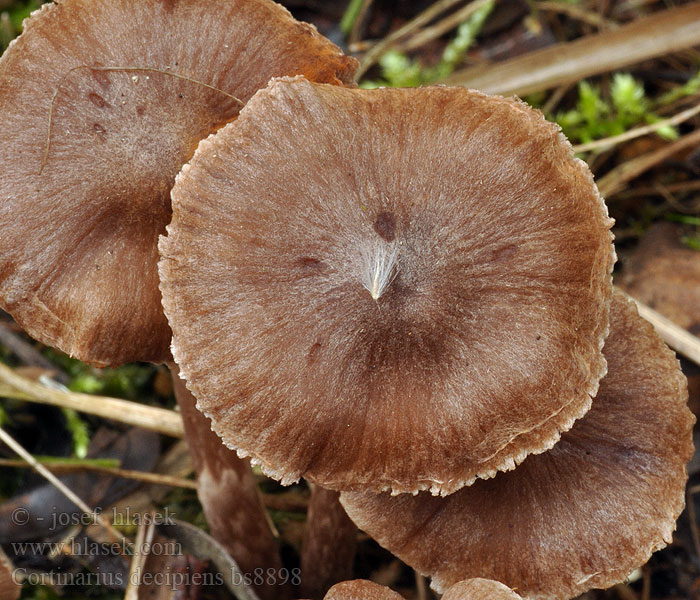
(664, 273)
(81, 209)
(360, 589)
(480, 589)
(387, 289)
(579, 516)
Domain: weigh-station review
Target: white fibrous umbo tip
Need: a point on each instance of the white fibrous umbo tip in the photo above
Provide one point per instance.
(379, 267)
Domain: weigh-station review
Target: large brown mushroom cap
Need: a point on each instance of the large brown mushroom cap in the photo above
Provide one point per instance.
(579, 516)
(480, 589)
(81, 209)
(388, 289)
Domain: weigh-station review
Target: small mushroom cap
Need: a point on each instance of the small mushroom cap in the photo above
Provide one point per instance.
(360, 589)
(387, 289)
(480, 589)
(582, 515)
(89, 156)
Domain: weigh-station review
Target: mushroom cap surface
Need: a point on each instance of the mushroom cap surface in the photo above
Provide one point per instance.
(582, 515)
(480, 589)
(395, 289)
(89, 154)
(360, 589)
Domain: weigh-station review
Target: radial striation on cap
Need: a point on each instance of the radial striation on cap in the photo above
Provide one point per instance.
(101, 103)
(582, 515)
(388, 289)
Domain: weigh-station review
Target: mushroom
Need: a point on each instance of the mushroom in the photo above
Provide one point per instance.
(98, 115)
(472, 589)
(582, 515)
(390, 289)
(101, 102)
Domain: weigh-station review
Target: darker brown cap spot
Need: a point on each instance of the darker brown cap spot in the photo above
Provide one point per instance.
(385, 225)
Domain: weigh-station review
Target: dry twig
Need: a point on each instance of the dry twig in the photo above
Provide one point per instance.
(441, 27)
(615, 180)
(162, 420)
(606, 143)
(663, 33)
(16, 447)
(576, 12)
(430, 13)
(679, 339)
(145, 476)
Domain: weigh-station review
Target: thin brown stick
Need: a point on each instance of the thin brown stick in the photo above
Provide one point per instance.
(421, 586)
(625, 592)
(67, 467)
(678, 187)
(662, 33)
(609, 142)
(356, 30)
(555, 98)
(441, 27)
(165, 71)
(576, 12)
(676, 337)
(132, 413)
(646, 583)
(615, 180)
(26, 352)
(144, 538)
(18, 449)
(430, 13)
(693, 518)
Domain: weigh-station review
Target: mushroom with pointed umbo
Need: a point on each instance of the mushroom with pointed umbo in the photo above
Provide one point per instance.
(387, 289)
(582, 515)
(101, 103)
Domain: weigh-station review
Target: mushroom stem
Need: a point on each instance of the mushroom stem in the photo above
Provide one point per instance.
(328, 546)
(229, 496)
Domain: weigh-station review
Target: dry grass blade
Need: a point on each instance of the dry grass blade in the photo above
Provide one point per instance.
(144, 538)
(676, 337)
(617, 178)
(67, 467)
(448, 23)
(355, 32)
(639, 131)
(162, 420)
(16, 447)
(27, 354)
(414, 24)
(576, 12)
(662, 33)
